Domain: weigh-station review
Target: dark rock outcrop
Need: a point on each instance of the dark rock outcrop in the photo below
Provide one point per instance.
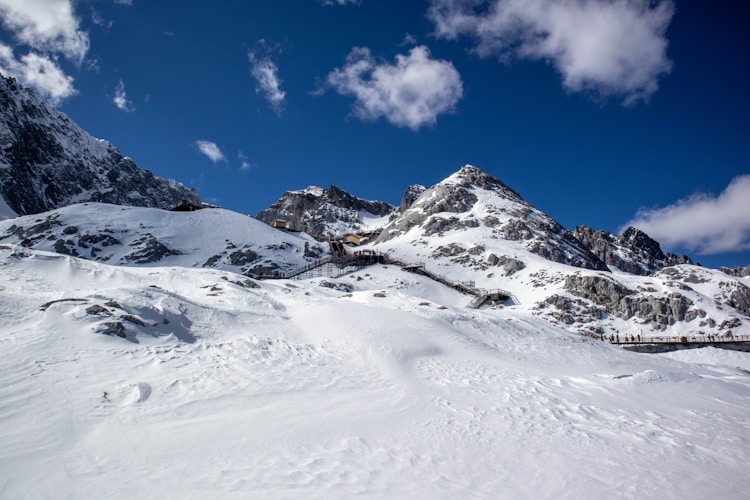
(410, 196)
(324, 213)
(737, 272)
(633, 252)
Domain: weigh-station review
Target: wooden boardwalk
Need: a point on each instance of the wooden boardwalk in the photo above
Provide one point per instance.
(691, 341)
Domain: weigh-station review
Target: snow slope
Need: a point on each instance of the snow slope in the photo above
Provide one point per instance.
(122, 235)
(378, 384)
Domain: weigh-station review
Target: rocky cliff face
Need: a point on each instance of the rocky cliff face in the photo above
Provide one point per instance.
(327, 212)
(633, 252)
(47, 161)
(737, 272)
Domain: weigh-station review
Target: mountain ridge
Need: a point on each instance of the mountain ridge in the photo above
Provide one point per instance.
(47, 161)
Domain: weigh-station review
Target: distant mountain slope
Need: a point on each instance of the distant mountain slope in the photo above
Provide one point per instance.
(327, 212)
(136, 236)
(47, 161)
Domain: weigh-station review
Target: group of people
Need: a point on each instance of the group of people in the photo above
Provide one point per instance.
(614, 338)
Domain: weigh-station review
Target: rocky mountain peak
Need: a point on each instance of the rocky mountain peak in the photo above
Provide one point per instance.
(471, 176)
(47, 162)
(472, 199)
(325, 212)
(638, 240)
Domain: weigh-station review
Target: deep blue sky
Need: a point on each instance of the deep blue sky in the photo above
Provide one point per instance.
(593, 154)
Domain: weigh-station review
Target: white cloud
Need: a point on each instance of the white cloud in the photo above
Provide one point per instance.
(97, 19)
(703, 223)
(211, 150)
(38, 72)
(244, 161)
(46, 25)
(410, 93)
(609, 47)
(266, 75)
(339, 2)
(121, 99)
(124, 2)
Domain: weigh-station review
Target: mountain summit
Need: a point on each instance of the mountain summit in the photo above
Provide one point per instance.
(47, 162)
(327, 212)
(471, 199)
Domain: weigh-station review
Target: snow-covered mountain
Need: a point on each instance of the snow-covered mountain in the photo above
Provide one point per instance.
(140, 358)
(470, 228)
(327, 212)
(47, 162)
(473, 228)
(136, 236)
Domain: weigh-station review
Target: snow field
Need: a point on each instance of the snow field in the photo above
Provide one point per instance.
(293, 390)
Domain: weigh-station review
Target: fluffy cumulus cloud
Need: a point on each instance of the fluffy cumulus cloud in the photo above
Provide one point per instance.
(211, 150)
(39, 73)
(266, 75)
(46, 25)
(703, 223)
(609, 47)
(410, 93)
(121, 99)
(42, 30)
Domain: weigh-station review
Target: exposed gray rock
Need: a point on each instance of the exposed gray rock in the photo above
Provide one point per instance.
(624, 303)
(242, 257)
(149, 250)
(320, 212)
(736, 295)
(113, 328)
(341, 287)
(737, 272)
(97, 310)
(410, 196)
(570, 311)
(633, 252)
(510, 264)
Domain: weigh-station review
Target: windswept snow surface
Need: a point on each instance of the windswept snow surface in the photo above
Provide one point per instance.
(379, 384)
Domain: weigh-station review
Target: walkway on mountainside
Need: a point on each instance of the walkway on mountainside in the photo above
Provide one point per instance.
(330, 267)
(692, 341)
(343, 263)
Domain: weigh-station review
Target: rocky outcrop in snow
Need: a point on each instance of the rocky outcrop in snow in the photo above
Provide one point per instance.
(633, 252)
(47, 161)
(410, 196)
(737, 272)
(325, 213)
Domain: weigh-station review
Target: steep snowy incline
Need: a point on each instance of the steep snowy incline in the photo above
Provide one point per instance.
(145, 236)
(47, 161)
(363, 386)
